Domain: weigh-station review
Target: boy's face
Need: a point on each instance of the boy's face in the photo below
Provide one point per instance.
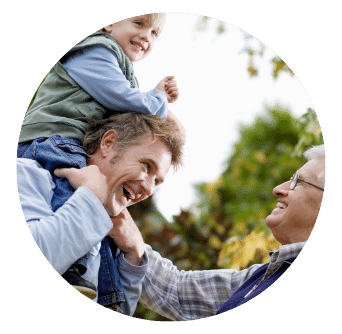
(136, 36)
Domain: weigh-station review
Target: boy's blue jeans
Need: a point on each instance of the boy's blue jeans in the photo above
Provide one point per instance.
(56, 152)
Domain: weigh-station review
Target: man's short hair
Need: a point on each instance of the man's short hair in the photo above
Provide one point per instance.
(316, 152)
(131, 128)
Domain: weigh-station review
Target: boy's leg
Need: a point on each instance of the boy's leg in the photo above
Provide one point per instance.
(110, 292)
(22, 148)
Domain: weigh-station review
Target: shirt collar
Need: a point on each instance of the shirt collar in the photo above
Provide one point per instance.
(286, 252)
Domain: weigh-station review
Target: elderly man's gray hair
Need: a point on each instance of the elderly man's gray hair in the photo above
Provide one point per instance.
(316, 152)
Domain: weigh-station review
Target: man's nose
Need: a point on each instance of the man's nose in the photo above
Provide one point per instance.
(282, 189)
(149, 186)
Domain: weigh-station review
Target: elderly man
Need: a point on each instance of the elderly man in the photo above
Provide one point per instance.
(182, 295)
(131, 155)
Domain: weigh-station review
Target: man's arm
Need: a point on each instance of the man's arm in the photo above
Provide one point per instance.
(173, 293)
(97, 71)
(187, 295)
(131, 260)
(73, 230)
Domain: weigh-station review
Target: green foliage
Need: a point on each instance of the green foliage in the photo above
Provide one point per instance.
(278, 66)
(310, 132)
(226, 228)
(202, 23)
(253, 48)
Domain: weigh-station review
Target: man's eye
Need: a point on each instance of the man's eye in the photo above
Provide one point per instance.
(147, 166)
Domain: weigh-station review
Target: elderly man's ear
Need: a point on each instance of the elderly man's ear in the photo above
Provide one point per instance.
(107, 143)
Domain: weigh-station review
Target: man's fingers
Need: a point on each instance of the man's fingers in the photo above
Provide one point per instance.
(62, 172)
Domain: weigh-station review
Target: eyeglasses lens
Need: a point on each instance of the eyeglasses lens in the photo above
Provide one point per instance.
(294, 180)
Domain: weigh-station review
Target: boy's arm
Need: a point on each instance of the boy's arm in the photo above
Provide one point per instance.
(97, 71)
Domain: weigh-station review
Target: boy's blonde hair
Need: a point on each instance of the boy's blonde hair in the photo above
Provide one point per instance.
(157, 18)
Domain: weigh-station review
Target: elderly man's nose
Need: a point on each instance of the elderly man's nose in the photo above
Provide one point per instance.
(281, 189)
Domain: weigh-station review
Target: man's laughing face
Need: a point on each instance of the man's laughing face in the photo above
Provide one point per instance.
(133, 173)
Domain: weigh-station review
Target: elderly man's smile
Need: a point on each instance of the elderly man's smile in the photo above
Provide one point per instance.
(280, 206)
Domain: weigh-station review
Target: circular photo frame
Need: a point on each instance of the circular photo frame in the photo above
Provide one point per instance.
(103, 131)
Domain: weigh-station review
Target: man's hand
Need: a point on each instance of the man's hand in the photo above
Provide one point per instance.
(128, 237)
(89, 177)
(168, 86)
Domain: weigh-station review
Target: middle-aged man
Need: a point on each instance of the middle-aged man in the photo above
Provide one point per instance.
(130, 155)
(189, 295)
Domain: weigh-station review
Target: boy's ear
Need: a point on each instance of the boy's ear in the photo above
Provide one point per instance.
(107, 142)
(109, 29)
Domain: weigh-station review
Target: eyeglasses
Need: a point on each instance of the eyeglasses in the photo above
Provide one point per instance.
(295, 178)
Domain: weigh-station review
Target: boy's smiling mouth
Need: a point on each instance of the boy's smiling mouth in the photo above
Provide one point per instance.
(139, 46)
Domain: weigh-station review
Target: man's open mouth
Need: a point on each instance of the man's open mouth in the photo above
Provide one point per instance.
(128, 192)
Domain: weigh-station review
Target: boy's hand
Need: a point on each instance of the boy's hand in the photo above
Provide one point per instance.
(168, 86)
(128, 237)
(89, 177)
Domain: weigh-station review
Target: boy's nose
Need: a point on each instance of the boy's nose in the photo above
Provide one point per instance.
(145, 35)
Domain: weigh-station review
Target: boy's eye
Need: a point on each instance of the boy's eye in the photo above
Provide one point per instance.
(155, 33)
(139, 23)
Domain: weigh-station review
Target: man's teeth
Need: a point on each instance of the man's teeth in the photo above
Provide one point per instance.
(131, 194)
(281, 205)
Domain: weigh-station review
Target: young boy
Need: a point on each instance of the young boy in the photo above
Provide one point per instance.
(92, 81)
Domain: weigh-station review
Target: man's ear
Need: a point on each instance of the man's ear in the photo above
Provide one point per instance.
(107, 142)
(109, 29)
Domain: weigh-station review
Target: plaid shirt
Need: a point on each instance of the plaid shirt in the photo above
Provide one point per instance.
(188, 295)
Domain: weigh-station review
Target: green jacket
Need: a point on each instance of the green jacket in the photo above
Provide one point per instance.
(61, 106)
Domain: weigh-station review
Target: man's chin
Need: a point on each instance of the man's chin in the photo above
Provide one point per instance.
(115, 207)
(270, 221)
(114, 212)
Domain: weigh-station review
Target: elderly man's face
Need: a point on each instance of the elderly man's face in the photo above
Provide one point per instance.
(297, 210)
(132, 174)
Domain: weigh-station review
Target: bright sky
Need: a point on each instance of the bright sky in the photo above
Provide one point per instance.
(216, 93)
